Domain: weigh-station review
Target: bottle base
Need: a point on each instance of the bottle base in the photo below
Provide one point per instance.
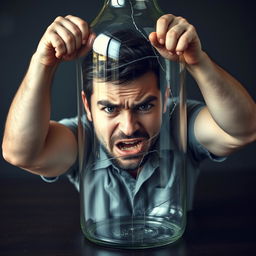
(134, 232)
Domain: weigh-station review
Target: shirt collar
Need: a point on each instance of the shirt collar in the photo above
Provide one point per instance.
(102, 160)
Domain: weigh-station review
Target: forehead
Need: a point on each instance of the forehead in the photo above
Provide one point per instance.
(135, 90)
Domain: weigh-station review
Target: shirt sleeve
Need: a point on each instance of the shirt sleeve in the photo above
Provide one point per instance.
(198, 151)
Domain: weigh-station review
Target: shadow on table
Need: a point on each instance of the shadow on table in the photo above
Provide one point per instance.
(176, 249)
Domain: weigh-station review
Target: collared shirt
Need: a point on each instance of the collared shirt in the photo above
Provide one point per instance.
(119, 193)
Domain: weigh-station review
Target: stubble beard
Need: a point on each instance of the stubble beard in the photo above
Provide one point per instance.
(132, 166)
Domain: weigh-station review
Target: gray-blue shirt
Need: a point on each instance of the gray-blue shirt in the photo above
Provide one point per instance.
(119, 192)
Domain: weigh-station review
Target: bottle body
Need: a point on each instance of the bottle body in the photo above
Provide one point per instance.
(132, 133)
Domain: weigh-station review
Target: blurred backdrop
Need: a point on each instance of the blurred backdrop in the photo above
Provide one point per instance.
(226, 29)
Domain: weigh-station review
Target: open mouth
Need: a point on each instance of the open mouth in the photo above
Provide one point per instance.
(133, 146)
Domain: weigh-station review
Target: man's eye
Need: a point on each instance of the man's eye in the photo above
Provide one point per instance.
(109, 110)
(145, 107)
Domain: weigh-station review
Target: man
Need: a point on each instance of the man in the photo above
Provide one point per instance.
(48, 148)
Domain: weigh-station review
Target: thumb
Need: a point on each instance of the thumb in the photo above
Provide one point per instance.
(154, 41)
(88, 46)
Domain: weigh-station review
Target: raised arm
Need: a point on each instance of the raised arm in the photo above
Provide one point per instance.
(228, 121)
(31, 141)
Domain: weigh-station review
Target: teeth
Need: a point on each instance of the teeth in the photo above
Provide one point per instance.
(134, 145)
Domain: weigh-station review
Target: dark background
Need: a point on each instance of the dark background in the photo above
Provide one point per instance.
(226, 29)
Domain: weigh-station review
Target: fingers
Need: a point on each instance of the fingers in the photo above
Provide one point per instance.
(67, 35)
(162, 26)
(69, 32)
(174, 33)
(81, 25)
(185, 39)
(58, 44)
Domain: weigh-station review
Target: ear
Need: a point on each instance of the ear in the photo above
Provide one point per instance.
(166, 96)
(86, 106)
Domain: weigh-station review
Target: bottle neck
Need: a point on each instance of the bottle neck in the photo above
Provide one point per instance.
(138, 5)
(139, 12)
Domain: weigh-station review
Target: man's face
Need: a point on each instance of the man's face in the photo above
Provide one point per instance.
(126, 118)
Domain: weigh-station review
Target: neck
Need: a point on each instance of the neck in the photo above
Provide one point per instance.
(135, 173)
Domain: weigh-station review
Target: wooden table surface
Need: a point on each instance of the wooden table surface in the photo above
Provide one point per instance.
(37, 219)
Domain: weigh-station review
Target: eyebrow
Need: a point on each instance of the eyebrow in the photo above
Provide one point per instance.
(107, 103)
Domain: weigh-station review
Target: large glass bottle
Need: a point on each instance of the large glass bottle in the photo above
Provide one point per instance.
(132, 132)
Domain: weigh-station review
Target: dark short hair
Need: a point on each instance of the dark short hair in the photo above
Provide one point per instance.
(136, 58)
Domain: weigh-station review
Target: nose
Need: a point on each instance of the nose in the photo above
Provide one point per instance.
(128, 123)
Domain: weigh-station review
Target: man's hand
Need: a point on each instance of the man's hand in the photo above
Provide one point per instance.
(228, 121)
(65, 39)
(174, 36)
